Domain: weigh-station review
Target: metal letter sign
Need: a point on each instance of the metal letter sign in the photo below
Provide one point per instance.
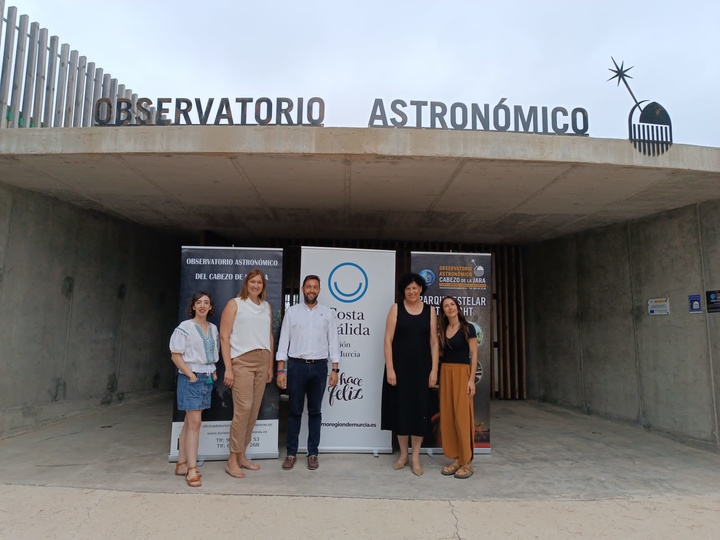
(652, 134)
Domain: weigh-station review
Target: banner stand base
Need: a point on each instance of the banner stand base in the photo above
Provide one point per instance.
(438, 452)
(215, 457)
(345, 450)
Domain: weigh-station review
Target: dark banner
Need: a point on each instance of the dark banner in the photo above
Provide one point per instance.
(466, 276)
(220, 271)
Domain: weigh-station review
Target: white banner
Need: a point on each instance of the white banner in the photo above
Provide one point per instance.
(359, 285)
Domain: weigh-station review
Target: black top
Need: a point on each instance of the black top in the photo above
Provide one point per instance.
(457, 349)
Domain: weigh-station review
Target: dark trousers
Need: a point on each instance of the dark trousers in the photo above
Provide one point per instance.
(305, 380)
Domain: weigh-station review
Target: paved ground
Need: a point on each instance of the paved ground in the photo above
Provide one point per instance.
(552, 474)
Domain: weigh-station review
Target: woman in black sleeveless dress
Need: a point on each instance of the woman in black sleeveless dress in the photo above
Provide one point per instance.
(411, 366)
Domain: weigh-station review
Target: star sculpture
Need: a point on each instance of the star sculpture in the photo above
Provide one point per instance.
(621, 74)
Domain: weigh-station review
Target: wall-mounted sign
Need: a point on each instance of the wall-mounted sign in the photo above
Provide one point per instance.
(694, 303)
(282, 111)
(265, 111)
(651, 133)
(475, 117)
(658, 306)
(713, 301)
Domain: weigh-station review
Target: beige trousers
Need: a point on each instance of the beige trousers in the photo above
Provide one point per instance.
(250, 371)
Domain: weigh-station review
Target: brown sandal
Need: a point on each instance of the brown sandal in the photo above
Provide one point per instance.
(466, 471)
(450, 470)
(178, 472)
(195, 480)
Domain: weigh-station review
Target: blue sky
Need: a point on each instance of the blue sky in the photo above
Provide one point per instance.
(550, 54)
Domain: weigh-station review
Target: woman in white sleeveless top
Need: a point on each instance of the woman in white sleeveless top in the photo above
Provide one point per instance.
(247, 344)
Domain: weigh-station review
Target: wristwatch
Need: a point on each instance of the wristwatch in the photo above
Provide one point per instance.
(336, 370)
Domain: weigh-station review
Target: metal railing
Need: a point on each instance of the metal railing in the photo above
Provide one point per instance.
(52, 86)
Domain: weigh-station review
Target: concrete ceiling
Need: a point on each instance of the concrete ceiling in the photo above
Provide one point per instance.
(391, 184)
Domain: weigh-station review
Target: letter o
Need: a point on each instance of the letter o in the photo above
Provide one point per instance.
(320, 118)
(582, 113)
(463, 115)
(103, 120)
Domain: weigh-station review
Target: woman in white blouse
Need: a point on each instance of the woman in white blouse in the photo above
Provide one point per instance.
(195, 351)
(247, 348)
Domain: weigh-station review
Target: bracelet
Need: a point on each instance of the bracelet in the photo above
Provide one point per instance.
(279, 371)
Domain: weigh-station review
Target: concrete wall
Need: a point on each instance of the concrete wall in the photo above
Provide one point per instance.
(593, 346)
(87, 304)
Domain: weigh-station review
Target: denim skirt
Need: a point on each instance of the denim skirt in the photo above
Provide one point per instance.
(194, 396)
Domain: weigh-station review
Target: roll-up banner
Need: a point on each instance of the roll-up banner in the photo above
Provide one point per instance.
(220, 271)
(358, 285)
(466, 276)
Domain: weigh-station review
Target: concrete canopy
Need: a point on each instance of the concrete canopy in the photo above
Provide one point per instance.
(389, 184)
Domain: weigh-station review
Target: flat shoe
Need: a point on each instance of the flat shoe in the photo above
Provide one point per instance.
(312, 463)
(450, 470)
(417, 471)
(466, 471)
(399, 465)
(234, 474)
(251, 466)
(289, 462)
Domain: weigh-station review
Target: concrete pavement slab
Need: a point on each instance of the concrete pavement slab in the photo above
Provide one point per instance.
(553, 473)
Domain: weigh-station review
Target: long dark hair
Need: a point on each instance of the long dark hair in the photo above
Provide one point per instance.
(443, 322)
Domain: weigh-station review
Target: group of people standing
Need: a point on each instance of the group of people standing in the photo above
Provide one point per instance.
(415, 340)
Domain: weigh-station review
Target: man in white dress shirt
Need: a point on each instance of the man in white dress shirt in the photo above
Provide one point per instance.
(308, 341)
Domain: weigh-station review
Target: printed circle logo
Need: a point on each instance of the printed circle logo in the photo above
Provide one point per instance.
(479, 271)
(348, 282)
(428, 275)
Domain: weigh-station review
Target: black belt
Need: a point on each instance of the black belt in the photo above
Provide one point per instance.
(308, 361)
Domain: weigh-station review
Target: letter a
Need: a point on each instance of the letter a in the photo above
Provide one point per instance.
(378, 114)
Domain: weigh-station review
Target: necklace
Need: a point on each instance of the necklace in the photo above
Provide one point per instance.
(452, 327)
(414, 309)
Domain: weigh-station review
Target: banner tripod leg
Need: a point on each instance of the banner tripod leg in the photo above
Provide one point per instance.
(376, 454)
